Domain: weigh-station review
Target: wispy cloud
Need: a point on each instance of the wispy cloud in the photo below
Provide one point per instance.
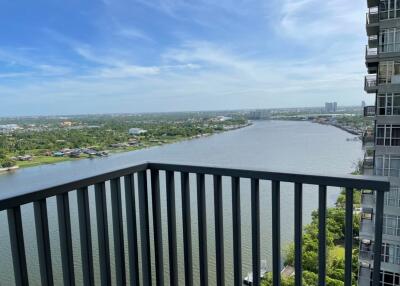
(167, 55)
(133, 33)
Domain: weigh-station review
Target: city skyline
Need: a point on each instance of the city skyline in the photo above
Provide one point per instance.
(132, 56)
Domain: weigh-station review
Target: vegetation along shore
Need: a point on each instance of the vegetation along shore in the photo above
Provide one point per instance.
(27, 142)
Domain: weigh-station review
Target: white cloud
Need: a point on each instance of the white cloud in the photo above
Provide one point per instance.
(133, 33)
(315, 20)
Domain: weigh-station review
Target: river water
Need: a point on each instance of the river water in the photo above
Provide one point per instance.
(273, 145)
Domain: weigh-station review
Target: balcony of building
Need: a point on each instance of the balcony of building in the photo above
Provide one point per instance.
(367, 226)
(364, 274)
(370, 83)
(367, 198)
(366, 251)
(372, 22)
(137, 190)
(371, 59)
(368, 161)
(373, 41)
(369, 111)
(368, 136)
(372, 3)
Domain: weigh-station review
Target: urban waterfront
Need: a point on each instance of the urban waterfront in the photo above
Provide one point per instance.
(276, 145)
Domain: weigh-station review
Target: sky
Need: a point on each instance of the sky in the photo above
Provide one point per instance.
(129, 56)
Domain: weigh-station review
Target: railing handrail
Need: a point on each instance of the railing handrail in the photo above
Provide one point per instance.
(12, 199)
(370, 51)
(373, 14)
(337, 180)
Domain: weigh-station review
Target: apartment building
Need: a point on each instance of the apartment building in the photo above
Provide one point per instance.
(382, 157)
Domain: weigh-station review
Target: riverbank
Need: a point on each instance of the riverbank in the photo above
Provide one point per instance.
(265, 145)
(47, 160)
(353, 124)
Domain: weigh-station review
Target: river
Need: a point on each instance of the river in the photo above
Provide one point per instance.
(274, 145)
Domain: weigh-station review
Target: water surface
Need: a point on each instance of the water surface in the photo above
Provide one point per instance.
(273, 145)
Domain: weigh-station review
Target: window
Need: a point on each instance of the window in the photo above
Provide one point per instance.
(392, 198)
(391, 253)
(391, 225)
(388, 104)
(387, 165)
(388, 72)
(389, 9)
(388, 278)
(389, 40)
(388, 135)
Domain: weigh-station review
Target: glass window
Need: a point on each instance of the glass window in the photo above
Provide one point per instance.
(382, 104)
(387, 165)
(396, 104)
(395, 140)
(389, 9)
(392, 198)
(388, 135)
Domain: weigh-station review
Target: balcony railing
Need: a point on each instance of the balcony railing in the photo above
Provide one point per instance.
(369, 110)
(372, 17)
(368, 199)
(149, 192)
(370, 81)
(367, 226)
(371, 52)
(366, 255)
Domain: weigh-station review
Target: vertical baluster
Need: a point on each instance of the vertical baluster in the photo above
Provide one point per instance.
(119, 253)
(276, 239)
(158, 249)
(201, 208)
(17, 246)
(322, 236)
(131, 229)
(171, 213)
(85, 236)
(144, 227)
(237, 239)
(348, 237)
(187, 232)
(378, 236)
(43, 240)
(298, 233)
(219, 230)
(102, 231)
(255, 230)
(64, 222)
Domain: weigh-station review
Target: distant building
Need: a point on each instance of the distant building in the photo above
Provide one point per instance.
(330, 107)
(362, 104)
(66, 124)
(137, 131)
(258, 114)
(6, 128)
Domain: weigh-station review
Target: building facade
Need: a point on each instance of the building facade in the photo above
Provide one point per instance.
(382, 153)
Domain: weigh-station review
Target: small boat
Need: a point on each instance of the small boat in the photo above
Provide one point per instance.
(8, 169)
(248, 280)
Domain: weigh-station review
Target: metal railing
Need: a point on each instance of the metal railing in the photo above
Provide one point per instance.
(127, 176)
(370, 81)
(372, 17)
(369, 110)
(371, 52)
(368, 199)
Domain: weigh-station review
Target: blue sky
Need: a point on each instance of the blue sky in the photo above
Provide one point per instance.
(100, 56)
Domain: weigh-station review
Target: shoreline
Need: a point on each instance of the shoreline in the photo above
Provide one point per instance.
(50, 160)
(349, 130)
